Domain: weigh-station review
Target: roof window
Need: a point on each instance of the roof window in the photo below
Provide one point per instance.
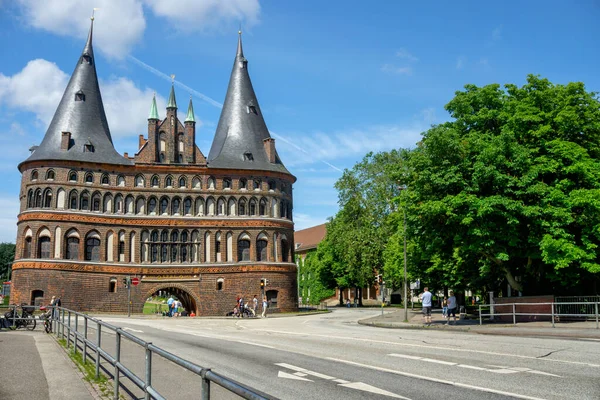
(248, 156)
(86, 58)
(79, 96)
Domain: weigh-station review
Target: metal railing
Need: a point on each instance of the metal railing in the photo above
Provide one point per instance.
(555, 311)
(92, 348)
(16, 316)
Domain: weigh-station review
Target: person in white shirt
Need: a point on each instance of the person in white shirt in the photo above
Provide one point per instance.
(451, 307)
(426, 301)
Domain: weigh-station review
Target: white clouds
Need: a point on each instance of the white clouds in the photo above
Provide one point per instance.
(392, 69)
(403, 53)
(461, 61)
(37, 88)
(127, 107)
(303, 221)
(195, 15)
(120, 23)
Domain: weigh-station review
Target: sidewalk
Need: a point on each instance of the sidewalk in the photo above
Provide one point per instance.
(395, 319)
(34, 366)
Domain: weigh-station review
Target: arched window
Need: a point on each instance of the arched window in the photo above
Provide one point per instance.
(140, 206)
(187, 206)
(221, 206)
(152, 206)
(92, 249)
(180, 157)
(256, 183)
(174, 253)
(199, 206)
(211, 183)
(182, 181)
(120, 180)
(89, 177)
(218, 246)
(73, 176)
(38, 198)
(262, 207)
(44, 247)
(72, 248)
(50, 175)
(73, 200)
(96, 202)
(30, 199)
(285, 249)
(105, 180)
(227, 183)
(164, 236)
(48, 198)
(139, 181)
(169, 182)
(176, 203)
(107, 203)
(243, 183)
(84, 203)
(261, 249)
(272, 185)
(252, 207)
(196, 183)
(231, 207)
(119, 204)
(34, 175)
(164, 205)
(220, 282)
(174, 236)
(164, 253)
(244, 248)
(210, 206)
(27, 248)
(154, 181)
(242, 206)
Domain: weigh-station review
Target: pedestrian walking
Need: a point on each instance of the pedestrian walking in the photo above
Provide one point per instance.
(254, 305)
(445, 307)
(451, 307)
(426, 303)
(170, 305)
(265, 304)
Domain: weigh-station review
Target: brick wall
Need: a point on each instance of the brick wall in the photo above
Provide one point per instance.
(524, 308)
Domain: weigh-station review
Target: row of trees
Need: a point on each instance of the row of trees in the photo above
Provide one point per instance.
(506, 192)
(7, 256)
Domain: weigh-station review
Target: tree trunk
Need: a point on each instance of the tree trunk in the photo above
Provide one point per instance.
(512, 281)
(341, 298)
(360, 303)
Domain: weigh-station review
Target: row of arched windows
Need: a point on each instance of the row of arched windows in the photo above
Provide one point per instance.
(157, 246)
(165, 205)
(169, 181)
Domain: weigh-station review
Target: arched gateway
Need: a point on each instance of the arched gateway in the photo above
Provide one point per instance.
(189, 301)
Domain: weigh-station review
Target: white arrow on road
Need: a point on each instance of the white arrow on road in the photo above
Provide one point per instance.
(368, 388)
(290, 376)
(132, 330)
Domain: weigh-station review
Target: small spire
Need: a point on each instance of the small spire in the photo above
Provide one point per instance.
(172, 103)
(87, 49)
(153, 109)
(240, 51)
(190, 114)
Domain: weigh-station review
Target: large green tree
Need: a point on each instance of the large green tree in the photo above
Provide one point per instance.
(7, 256)
(510, 189)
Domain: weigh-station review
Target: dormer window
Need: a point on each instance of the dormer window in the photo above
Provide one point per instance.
(248, 156)
(79, 96)
(88, 148)
(251, 109)
(86, 58)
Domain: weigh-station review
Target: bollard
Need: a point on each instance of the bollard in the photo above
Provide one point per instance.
(148, 371)
(480, 320)
(117, 361)
(14, 313)
(98, 341)
(514, 316)
(552, 307)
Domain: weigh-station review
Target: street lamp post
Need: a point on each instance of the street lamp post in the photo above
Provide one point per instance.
(403, 188)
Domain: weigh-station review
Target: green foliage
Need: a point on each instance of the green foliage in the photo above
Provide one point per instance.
(312, 289)
(7, 256)
(510, 188)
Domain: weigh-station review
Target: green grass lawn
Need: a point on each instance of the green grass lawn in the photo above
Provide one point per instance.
(153, 308)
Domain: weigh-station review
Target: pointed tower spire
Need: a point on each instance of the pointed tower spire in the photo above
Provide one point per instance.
(190, 113)
(153, 109)
(242, 139)
(79, 130)
(172, 103)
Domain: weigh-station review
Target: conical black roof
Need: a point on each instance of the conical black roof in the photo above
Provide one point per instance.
(81, 113)
(238, 141)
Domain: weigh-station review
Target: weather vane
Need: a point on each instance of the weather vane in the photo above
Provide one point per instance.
(172, 78)
(93, 11)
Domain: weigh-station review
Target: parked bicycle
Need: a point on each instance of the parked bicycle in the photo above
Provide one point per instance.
(24, 320)
(47, 318)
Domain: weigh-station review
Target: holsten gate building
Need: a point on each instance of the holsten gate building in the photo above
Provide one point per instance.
(203, 228)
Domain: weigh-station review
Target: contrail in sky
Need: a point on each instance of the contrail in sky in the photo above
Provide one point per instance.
(216, 104)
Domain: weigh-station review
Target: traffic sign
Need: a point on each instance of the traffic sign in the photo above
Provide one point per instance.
(135, 281)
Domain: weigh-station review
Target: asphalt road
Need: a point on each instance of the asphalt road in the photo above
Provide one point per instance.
(331, 356)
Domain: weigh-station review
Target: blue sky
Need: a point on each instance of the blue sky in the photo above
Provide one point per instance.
(335, 79)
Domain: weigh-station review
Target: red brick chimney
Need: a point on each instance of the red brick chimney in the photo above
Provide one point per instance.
(65, 141)
(269, 144)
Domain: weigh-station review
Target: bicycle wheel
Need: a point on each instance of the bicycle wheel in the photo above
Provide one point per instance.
(30, 323)
(48, 326)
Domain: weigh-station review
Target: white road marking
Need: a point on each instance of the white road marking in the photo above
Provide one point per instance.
(254, 344)
(431, 360)
(471, 367)
(300, 369)
(341, 381)
(368, 388)
(427, 378)
(300, 374)
(291, 376)
(132, 330)
(453, 349)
